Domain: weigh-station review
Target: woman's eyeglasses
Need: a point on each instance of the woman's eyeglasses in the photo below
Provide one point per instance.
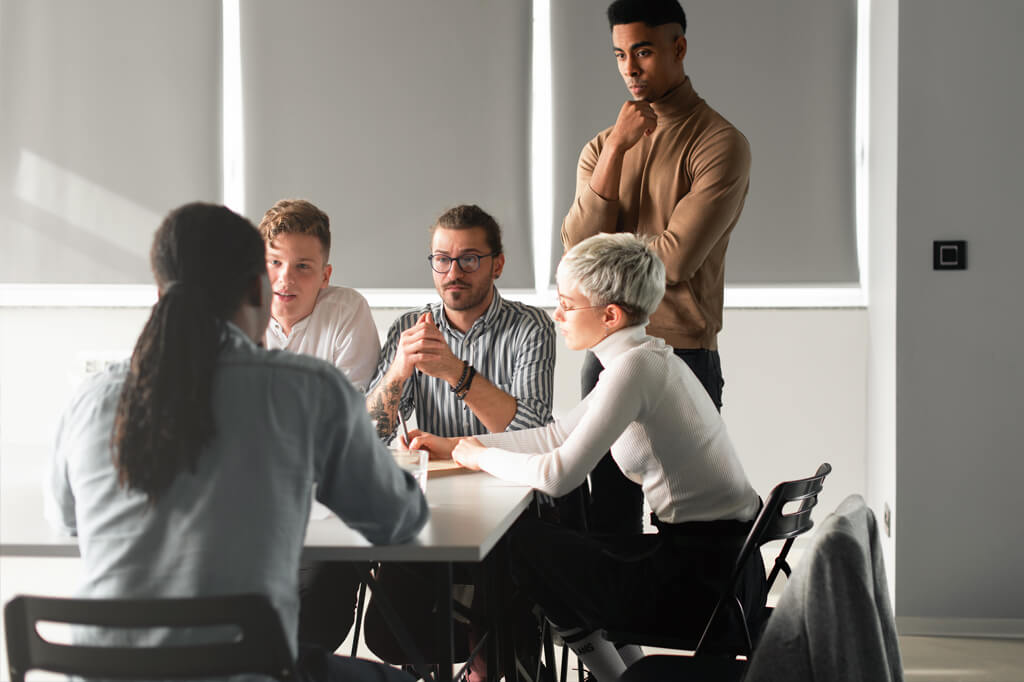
(570, 308)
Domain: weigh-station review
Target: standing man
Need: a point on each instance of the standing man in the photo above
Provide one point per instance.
(472, 363)
(673, 170)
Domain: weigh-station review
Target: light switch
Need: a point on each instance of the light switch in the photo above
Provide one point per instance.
(949, 255)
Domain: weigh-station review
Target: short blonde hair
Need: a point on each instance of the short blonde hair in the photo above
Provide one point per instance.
(297, 216)
(617, 269)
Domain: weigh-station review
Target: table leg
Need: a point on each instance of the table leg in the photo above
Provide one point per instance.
(448, 613)
(492, 589)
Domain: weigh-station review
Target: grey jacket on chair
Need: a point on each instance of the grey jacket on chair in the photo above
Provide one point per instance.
(834, 621)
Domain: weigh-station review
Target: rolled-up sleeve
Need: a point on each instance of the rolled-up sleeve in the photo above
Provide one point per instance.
(387, 356)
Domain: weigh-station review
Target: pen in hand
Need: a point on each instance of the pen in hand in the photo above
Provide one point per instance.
(405, 429)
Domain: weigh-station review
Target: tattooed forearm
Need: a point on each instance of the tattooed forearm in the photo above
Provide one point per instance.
(383, 407)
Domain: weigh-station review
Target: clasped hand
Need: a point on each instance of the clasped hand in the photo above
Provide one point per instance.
(423, 347)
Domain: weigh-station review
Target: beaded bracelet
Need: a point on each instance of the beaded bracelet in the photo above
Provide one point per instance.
(465, 372)
(461, 395)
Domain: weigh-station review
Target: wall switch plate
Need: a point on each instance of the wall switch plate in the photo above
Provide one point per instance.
(94, 362)
(887, 520)
(949, 255)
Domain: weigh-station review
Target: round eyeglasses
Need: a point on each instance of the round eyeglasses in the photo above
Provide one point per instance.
(560, 305)
(469, 262)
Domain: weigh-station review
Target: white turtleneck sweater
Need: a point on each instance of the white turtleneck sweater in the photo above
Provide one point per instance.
(662, 428)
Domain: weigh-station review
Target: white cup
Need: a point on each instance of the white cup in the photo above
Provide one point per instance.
(415, 462)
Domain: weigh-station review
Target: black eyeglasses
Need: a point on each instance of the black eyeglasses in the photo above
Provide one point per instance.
(468, 263)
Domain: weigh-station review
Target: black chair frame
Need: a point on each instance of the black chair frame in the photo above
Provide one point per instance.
(262, 648)
(772, 523)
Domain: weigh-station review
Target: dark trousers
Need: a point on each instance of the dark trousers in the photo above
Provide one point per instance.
(317, 665)
(328, 592)
(616, 503)
(664, 583)
(327, 601)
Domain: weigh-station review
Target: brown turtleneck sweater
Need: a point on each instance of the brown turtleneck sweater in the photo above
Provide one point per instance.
(684, 186)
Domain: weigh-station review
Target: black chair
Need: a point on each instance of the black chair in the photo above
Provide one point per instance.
(773, 523)
(261, 649)
(847, 632)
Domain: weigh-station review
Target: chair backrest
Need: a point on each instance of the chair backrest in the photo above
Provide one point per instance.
(773, 522)
(834, 620)
(262, 648)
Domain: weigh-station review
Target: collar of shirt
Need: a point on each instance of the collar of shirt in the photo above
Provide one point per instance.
(278, 331)
(613, 345)
(487, 319)
(678, 102)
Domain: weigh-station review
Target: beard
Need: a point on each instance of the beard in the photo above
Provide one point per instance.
(465, 299)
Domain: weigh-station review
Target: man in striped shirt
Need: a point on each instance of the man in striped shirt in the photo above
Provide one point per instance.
(474, 362)
(470, 364)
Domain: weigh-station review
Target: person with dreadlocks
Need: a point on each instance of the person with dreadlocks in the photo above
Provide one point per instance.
(189, 470)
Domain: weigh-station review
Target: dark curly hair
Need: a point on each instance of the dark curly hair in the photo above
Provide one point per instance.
(468, 216)
(650, 12)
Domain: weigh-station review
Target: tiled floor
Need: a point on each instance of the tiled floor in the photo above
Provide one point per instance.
(951, 659)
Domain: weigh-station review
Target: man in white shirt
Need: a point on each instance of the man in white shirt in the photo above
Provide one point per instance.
(307, 315)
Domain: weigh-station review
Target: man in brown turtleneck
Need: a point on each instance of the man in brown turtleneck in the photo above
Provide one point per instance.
(671, 169)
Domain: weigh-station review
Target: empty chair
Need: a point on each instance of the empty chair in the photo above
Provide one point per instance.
(259, 648)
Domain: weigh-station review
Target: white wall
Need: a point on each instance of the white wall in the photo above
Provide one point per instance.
(959, 372)
(880, 204)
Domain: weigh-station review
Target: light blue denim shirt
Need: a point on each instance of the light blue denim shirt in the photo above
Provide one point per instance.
(237, 524)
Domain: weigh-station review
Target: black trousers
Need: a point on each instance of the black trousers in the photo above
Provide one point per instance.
(656, 583)
(616, 503)
(328, 591)
(317, 665)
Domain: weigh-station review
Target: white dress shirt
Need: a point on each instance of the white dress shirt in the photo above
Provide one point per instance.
(340, 330)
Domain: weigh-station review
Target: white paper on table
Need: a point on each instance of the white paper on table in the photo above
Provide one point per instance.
(318, 511)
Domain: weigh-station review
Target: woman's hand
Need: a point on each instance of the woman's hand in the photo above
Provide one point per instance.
(436, 446)
(467, 453)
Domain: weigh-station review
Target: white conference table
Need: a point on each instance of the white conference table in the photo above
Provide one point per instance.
(469, 514)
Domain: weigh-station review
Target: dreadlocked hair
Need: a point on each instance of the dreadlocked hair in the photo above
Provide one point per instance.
(204, 258)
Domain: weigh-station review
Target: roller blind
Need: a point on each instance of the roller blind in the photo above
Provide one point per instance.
(386, 114)
(110, 116)
(784, 74)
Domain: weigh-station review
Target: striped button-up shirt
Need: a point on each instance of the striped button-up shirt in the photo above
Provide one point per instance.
(511, 344)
